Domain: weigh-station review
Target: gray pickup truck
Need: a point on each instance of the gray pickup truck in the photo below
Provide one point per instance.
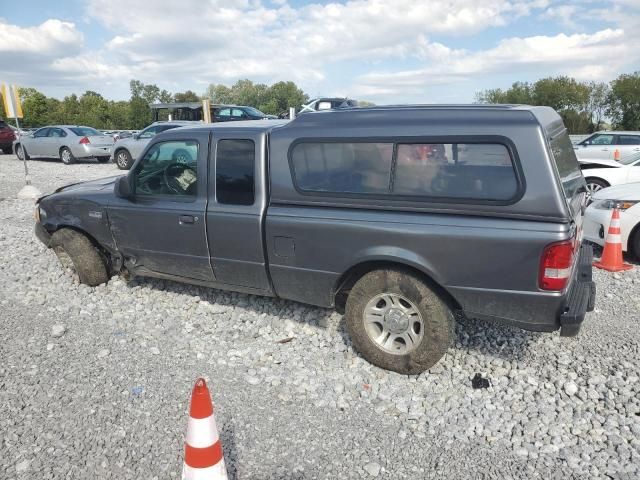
(400, 217)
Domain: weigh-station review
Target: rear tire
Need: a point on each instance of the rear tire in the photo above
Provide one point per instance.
(398, 298)
(76, 252)
(123, 160)
(21, 152)
(66, 156)
(103, 159)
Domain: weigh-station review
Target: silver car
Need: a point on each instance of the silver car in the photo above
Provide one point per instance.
(66, 142)
(126, 150)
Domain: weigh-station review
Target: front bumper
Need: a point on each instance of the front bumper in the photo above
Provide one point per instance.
(581, 297)
(42, 234)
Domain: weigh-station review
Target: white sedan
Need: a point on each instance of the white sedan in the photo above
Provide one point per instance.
(598, 215)
(601, 174)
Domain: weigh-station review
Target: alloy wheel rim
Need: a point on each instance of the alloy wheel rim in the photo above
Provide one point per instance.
(122, 159)
(393, 323)
(66, 156)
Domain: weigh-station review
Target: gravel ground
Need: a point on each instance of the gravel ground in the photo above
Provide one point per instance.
(95, 382)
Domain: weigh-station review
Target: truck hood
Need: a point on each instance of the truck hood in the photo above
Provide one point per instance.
(627, 191)
(91, 185)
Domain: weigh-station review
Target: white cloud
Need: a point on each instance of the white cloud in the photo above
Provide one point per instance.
(50, 37)
(188, 44)
(597, 56)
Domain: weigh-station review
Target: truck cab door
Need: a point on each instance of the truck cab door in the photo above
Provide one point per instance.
(162, 229)
(235, 213)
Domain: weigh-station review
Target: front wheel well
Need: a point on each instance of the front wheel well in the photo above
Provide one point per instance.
(348, 279)
(104, 253)
(598, 179)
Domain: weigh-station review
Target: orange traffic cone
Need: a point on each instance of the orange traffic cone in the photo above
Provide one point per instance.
(611, 259)
(616, 155)
(203, 459)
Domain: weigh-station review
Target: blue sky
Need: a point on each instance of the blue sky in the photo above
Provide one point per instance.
(386, 51)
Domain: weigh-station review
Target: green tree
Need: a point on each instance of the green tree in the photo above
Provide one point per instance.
(624, 102)
(34, 107)
(187, 96)
(597, 105)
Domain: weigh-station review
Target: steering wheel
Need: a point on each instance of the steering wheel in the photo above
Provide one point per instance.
(171, 173)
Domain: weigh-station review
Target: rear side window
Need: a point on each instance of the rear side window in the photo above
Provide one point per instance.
(567, 164)
(480, 171)
(343, 167)
(454, 170)
(628, 139)
(235, 172)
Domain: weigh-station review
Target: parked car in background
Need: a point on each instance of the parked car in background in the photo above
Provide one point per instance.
(7, 136)
(400, 217)
(226, 113)
(605, 144)
(66, 142)
(127, 148)
(605, 173)
(598, 216)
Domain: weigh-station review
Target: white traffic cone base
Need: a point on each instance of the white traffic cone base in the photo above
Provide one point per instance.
(29, 192)
(217, 472)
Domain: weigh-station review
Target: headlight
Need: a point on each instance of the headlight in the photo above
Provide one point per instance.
(611, 204)
(40, 214)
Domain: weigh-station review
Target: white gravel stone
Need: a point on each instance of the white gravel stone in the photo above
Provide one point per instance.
(372, 469)
(570, 388)
(58, 331)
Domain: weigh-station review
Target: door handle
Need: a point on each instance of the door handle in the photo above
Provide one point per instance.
(187, 219)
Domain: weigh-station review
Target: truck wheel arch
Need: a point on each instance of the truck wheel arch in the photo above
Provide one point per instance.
(349, 278)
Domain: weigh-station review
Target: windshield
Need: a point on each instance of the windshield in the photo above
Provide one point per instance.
(630, 159)
(254, 111)
(85, 131)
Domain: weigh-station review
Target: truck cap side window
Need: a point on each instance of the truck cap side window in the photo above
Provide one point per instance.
(235, 172)
(343, 167)
(169, 168)
(465, 171)
(482, 171)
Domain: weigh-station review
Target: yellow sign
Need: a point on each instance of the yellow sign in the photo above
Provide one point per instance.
(11, 101)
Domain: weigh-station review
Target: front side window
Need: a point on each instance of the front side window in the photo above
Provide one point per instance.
(224, 112)
(169, 168)
(481, 171)
(41, 133)
(149, 132)
(343, 167)
(235, 172)
(601, 140)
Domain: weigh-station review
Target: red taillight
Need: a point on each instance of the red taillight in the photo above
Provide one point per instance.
(84, 141)
(557, 264)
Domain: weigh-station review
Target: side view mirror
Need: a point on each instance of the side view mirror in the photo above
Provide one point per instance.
(136, 136)
(122, 188)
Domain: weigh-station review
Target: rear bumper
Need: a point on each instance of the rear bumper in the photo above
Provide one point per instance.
(581, 297)
(84, 151)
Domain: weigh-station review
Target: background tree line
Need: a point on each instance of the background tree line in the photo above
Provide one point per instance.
(585, 107)
(94, 110)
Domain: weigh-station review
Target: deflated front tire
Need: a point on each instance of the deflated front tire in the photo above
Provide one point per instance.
(76, 252)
